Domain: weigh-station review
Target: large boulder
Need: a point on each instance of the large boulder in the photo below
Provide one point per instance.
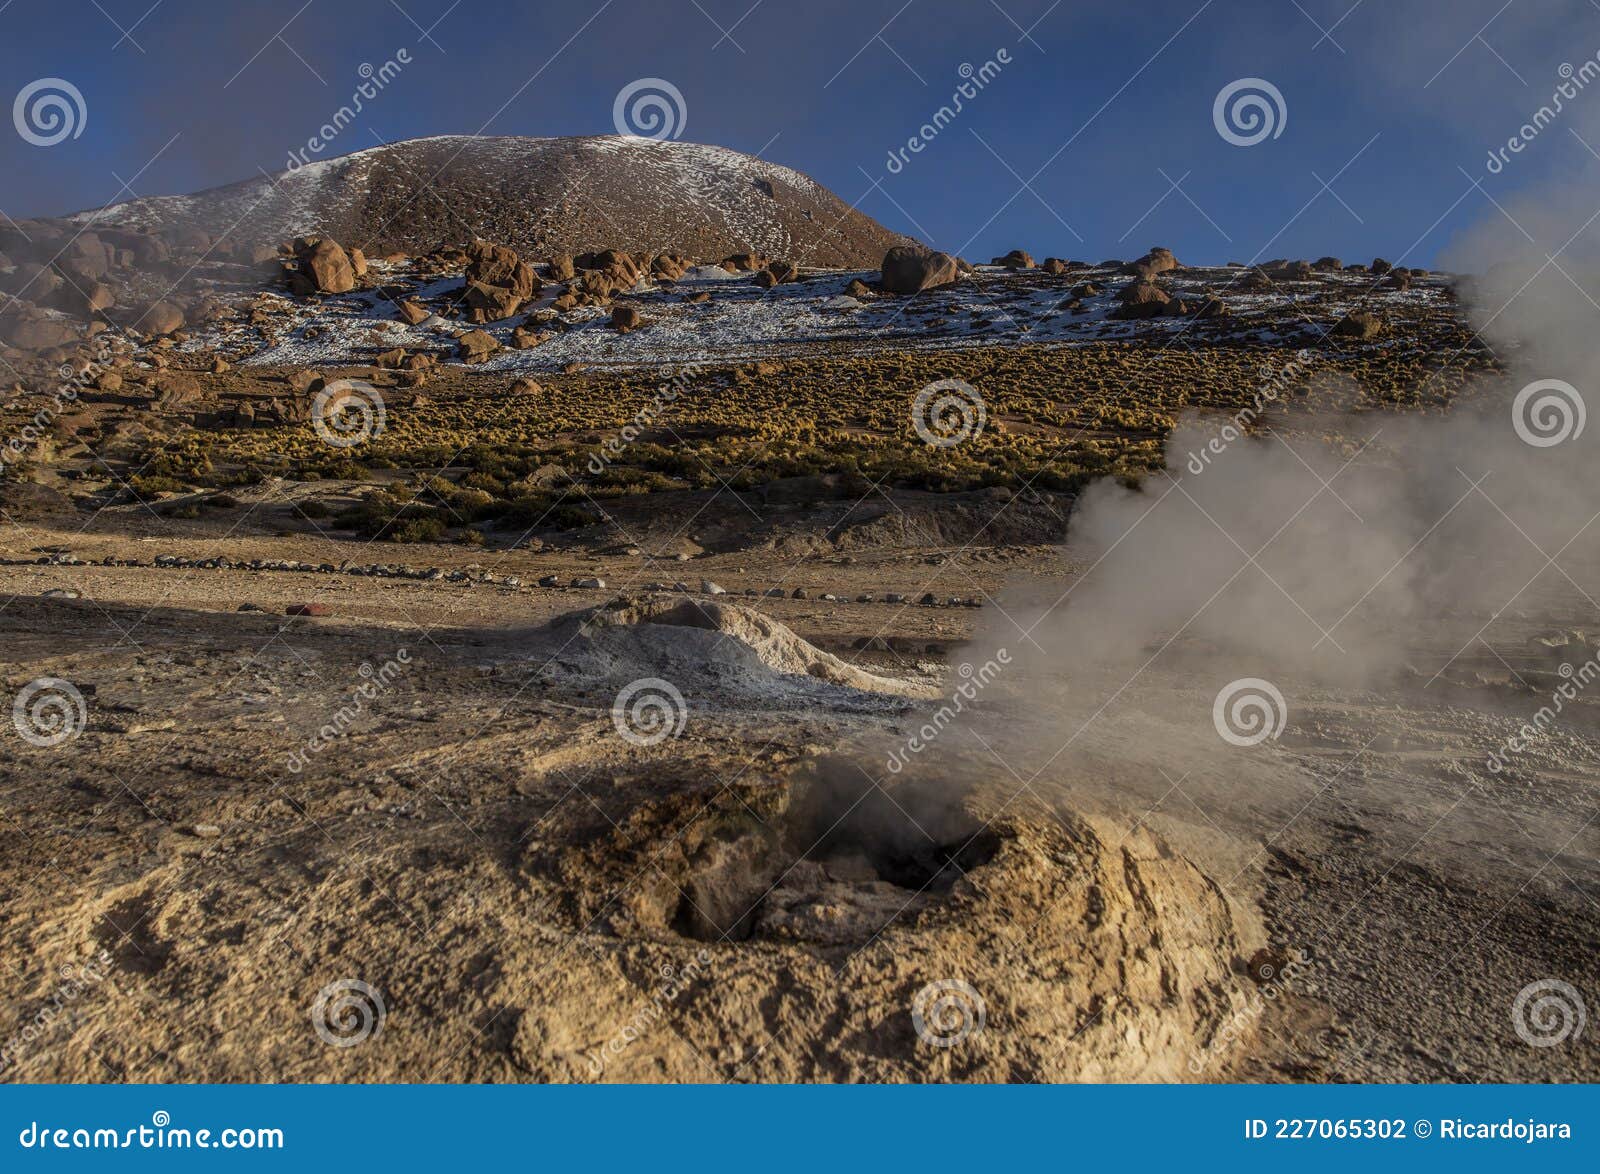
(143, 248)
(87, 258)
(1142, 299)
(1290, 271)
(610, 271)
(777, 273)
(475, 346)
(670, 265)
(1015, 259)
(909, 269)
(322, 266)
(29, 329)
(160, 318)
(1359, 326)
(1158, 260)
(94, 297)
(491, 264)
(489, 303)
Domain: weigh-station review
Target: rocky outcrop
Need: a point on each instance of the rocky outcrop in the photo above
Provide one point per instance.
(909, 269)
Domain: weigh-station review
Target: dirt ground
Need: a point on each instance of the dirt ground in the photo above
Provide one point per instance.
(425, 836)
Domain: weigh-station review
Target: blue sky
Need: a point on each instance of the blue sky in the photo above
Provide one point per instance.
(1105, 110)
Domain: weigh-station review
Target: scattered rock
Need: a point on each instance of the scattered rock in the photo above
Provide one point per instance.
(1290, 271)
(1142, 299)
(1157, 260)
(304, 381)
(161, 318)
(475, 346)
(1359, 326)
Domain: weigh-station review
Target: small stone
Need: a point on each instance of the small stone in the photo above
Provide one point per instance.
(1266, 964)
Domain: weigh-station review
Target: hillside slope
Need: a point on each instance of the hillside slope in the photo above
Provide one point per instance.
(539, 195)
